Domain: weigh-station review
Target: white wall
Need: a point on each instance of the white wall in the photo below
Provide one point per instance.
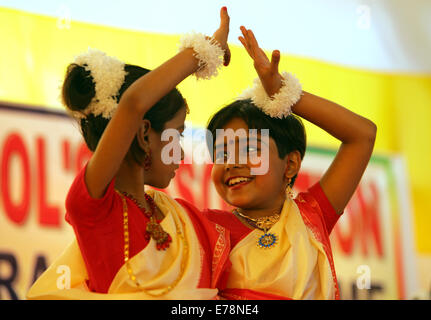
(388, 35)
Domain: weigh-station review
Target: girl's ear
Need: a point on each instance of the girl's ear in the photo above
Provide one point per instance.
(143, 133)
(293, 164)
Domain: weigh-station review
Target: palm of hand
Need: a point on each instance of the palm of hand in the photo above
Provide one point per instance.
(267, 70)
(221, 34)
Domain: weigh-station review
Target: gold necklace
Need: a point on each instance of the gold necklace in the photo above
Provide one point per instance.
(154, 229)
(127, 246)
(267, 240)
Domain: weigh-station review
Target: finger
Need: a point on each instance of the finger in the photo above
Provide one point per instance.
(242, 40)
(245, 44)
(244, 33)
(252, 45)
(224, 18)
(252, 40)
(275, 60)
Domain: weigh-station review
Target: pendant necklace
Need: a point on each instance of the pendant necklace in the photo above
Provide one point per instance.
(153, 230)
(268, 239)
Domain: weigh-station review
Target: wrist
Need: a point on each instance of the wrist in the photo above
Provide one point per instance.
(190, 59)
(207, 51)
(279, 105)
(273, 86)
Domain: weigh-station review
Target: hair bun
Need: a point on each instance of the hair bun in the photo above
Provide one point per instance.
(78, 88)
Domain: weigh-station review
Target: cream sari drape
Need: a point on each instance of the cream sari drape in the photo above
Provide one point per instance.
(179, 265)
(296, 267)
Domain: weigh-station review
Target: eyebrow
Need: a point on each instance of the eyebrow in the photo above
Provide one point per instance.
(239, 140)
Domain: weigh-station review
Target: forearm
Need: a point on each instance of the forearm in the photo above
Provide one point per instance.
(150, 88)
(357, 135)
(341, 123)
(135, 102)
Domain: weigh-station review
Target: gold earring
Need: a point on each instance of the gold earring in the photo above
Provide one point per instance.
(289, 192)
(147, 157)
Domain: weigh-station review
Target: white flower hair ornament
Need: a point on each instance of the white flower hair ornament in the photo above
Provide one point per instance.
(108, 76)
(279, 105)
(207, 50)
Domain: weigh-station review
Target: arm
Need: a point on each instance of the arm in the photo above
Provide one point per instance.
(357, 134)
(135, 102)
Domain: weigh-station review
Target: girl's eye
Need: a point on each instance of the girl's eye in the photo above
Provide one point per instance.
(221, 155)
(251, 149)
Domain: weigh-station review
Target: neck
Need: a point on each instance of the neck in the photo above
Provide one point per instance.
(265, 211)
(130, 179)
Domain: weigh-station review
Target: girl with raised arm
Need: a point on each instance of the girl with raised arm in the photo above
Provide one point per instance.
(133, 242)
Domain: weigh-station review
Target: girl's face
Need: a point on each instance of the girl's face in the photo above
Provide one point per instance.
(234, 181)
(160, 174)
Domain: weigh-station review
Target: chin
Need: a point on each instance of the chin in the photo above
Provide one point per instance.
(237, 202)
(159, 184)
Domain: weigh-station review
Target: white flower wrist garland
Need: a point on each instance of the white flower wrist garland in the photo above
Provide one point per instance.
(207, 50)
(279, 105)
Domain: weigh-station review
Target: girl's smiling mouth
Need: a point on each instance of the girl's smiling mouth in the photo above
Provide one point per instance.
(238, 181)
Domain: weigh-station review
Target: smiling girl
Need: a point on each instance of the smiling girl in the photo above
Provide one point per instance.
(280, 245)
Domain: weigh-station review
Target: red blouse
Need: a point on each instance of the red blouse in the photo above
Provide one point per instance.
(98, 226)
(238, 230)
(318, 214)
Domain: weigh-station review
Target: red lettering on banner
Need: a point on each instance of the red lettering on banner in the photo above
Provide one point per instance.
(82, 156)
(362, 223)
(305, 180)
(48, 215)
(370, 220)
(66, 155)
(14, 146)
(185, 191)
(362, 219)
(206, 183)
(346, 239)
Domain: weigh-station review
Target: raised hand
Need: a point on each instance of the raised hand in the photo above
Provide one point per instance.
(266, 70)
(222, 33)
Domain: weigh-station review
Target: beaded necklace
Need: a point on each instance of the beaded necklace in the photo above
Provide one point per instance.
(154, 229)
(127, 246)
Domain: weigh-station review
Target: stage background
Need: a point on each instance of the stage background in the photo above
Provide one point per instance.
(369, 56)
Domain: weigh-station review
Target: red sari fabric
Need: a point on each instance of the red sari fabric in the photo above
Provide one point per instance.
(98, 226)
(217, 241)
(317, 214)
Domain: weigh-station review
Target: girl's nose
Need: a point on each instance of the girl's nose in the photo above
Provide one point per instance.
(234, 161)
(230, 166)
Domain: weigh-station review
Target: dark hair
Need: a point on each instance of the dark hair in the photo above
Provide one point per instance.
(288, 133)
(79, 89)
